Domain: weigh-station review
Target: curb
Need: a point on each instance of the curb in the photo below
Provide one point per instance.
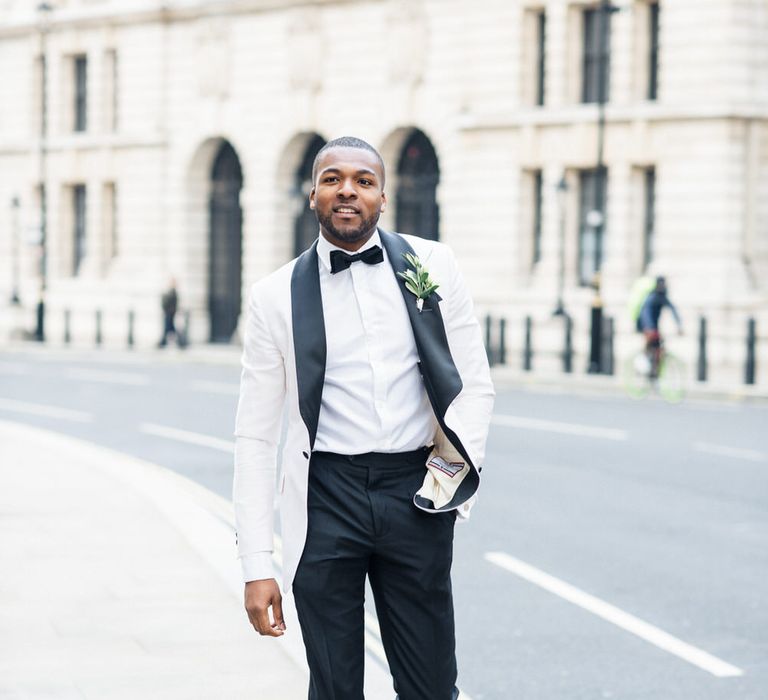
(611, 385)
(204, 519)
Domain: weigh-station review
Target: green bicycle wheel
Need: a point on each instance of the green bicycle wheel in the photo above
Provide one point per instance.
(671, 380)
(636, 373)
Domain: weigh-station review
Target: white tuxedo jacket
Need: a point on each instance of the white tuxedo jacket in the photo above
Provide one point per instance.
(284, 367)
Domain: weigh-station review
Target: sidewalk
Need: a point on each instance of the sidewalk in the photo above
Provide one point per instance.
(612, 385)
(106, 590)
(504, 376)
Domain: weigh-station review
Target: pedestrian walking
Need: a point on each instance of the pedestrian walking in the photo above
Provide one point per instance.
(371, 339)
(170, 303)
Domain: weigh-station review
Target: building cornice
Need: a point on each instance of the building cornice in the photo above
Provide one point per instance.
(153, 12)
(573, 115)
(83, 143)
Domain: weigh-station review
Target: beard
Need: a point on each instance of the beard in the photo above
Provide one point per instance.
(348, 235)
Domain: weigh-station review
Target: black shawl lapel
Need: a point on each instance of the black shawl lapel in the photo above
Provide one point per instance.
(441, 378)
(308, 337)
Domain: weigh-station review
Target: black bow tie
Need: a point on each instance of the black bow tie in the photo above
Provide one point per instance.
(341, 260)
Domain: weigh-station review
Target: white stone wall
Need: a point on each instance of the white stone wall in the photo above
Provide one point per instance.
(266, 75)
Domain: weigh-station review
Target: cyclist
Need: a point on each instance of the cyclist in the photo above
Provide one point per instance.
(648, 321)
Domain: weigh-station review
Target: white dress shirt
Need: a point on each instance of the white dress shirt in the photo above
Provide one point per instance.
(373, 397)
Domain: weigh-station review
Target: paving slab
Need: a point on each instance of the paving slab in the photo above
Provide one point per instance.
(103, 597)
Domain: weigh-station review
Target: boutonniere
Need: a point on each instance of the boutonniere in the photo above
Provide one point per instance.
(417, 280)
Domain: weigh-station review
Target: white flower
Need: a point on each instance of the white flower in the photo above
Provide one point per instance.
(417, 280)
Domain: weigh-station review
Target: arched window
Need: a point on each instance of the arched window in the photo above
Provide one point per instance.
(226, 244)
(305, 227)
(418, 174)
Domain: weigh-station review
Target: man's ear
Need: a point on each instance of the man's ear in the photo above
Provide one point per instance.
(312, 198)
(383, 201)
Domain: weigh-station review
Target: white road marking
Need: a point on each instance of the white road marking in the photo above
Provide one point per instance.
(188, 437)
(735, 452)
(217, 387)
(551, 426)
(374, 645)
(372, 632)
(95, 375)
(39, 409)
(618, 617)
(13, 368)
(713, 405)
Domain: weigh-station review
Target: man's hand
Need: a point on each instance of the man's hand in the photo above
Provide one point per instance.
(259, 596)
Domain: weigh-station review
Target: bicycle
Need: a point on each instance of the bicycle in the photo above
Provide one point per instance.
(668, 379)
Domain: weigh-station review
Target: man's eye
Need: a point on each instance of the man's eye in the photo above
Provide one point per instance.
(363, 181)
(330, 178)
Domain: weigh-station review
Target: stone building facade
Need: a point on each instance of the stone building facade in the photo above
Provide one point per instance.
(542, 139)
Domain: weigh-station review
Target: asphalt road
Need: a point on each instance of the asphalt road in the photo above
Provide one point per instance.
(619, 550)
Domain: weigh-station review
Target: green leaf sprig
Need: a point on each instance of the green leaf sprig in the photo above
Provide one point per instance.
(417, 280)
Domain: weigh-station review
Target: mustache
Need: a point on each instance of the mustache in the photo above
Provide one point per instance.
(348, 235)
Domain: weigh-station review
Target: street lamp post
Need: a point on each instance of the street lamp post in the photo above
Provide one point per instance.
(15, 298)
(596, 217)
(605, 10)
(562, 193)
(44, 10)
(562, 201)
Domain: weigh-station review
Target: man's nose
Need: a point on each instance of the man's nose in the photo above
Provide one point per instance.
(346, 188)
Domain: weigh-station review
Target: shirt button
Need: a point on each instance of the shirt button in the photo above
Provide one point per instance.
(306, 456)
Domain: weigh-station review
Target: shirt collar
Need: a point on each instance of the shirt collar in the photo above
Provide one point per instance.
(324, 248)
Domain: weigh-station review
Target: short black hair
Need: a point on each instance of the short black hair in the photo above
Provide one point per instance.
(348, 142)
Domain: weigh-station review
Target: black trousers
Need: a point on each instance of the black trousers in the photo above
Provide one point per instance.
(169, 328)
(362, 521)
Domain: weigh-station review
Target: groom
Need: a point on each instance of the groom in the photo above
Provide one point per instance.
(388, 400)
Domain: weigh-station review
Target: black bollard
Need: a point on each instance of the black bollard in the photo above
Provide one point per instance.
(595, 365)
(488, 346)
(701, 365)
(131, 319)
(528, 349)
(595, 339)
(502, 341)
(98, 327)
(749, 369)
(606, 353)
(568, 349)
(184, 339)
(40, 327)
(67, 331)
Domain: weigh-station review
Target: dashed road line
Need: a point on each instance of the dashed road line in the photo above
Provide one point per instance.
(45, 410)
(101, 376)
(188, 437)
(733, 452)
(710, 405)
(16, 368)
(578, 429)
(620, 618)
(216, 387)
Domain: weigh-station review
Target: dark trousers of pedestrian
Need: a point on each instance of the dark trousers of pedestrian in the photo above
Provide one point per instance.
(362, 521)
(169, 328)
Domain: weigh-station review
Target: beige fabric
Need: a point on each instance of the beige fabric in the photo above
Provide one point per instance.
(446, 469)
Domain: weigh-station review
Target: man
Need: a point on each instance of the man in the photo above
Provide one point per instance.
(378, 380)
(169, 302)
(648, 321)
